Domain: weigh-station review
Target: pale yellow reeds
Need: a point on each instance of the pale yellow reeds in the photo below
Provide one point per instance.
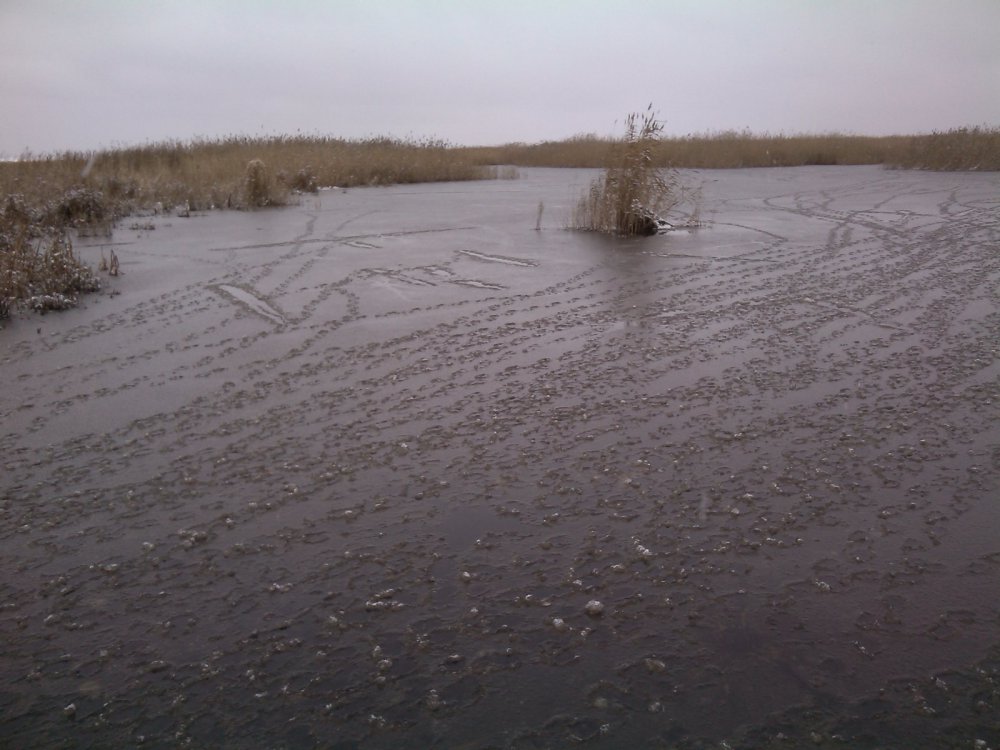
(976, 148)
(213, 173)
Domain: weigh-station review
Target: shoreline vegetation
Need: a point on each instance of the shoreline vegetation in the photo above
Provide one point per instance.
(44, 196)
(960, 149)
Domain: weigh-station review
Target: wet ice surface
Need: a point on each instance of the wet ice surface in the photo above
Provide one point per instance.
(356, 471)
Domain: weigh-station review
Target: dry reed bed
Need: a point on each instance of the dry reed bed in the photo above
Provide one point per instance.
(976, 148)
(213, 174)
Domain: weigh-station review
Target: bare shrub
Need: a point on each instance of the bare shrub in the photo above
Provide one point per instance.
(19, 213)
(257, 184)
(305, 181)
(40, 273)
(79, 206)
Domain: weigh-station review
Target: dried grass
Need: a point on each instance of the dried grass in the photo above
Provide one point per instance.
(976, 148)
(971, 149)
(207, 174)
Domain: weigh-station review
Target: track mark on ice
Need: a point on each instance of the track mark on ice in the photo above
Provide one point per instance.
(498, 259)
(251, 301)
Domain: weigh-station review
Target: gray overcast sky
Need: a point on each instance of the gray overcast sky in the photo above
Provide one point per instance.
(83, 74)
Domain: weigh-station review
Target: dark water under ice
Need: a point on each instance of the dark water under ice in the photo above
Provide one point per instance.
(347, 474)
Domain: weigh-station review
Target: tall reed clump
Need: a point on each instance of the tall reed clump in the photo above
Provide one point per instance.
(633, 193)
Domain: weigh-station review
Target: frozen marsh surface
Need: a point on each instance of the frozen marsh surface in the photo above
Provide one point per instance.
(348, 474)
